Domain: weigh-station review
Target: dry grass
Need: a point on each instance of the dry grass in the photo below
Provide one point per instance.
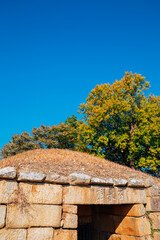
(64, 162)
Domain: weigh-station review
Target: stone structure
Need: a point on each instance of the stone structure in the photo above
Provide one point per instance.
(37, 206)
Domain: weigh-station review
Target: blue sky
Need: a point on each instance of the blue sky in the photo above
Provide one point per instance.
(53, 52)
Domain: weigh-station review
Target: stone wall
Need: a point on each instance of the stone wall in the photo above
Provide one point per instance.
(35, 206)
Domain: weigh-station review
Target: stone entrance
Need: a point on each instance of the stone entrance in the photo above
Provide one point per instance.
(38, 206)
(102, 222)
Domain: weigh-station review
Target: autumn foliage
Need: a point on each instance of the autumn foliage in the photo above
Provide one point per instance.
(120, 123)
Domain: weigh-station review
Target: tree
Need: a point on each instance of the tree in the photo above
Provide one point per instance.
(18, 144)
(62, 136)
(121, 124)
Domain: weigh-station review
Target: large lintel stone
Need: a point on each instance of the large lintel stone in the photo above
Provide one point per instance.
(102, 195)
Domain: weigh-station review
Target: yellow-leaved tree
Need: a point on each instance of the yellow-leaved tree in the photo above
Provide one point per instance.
(121, 124)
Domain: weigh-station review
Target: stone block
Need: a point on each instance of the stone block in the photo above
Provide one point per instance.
(124, 237)
(8, 173)
(153, 204)
(42, 193)
(79, 179)
(156, 236)
(56, 178)
(99, 181)
(31, 176)
(132, 226)
(70, 220)
(8, 191)
(120, 182)
(40, 234)
(2, 215)
(60, 234)
(136, 183)
(70, 209)
(33, 215)
(102, 195)
(155, 217)
(152, 191)
(13, 234)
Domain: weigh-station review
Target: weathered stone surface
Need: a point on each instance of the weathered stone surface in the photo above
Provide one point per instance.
(65, 234)
(79, 179)
(136, 210)
(56, 178)
(42, 193)
(8, 173)
(136, 183)
(70, 220)
(153, 204)
(2, 215)
(152, 191)
(40, 234)
(99, 181)
(70, 209)
(120, 182)
(33, 216)
(8, 191)
(156, 235)
(13, 234)
(31, 176)
(132, 226)
(102, 195)
(155, 217)
(124, 237)
(148, 182)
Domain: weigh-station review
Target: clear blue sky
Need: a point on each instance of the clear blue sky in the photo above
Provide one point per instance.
(53, 52)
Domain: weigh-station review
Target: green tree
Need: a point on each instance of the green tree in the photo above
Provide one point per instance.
(18, 144)
(121, 124)
(62, 136)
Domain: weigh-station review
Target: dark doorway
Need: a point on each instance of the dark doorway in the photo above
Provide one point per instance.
(99, 222)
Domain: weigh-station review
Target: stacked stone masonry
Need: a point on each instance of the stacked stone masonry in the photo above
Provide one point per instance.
(34, 206)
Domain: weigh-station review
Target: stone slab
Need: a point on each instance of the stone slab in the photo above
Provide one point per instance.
(13, 234)
(156, 236)
(120, 182)
(100, 181)
(31, 176)
(136, 183)
(79, 179)
(40, 234)
(42, 193)
(56, 178)
(2, 215)
(70, 220)
(153, 204)
(124, 237)
(8, 173)
(155, 217)
(65, 234)
(102, 195)
(33, 215)
(70, 209)
(8, 191)
(132, 226)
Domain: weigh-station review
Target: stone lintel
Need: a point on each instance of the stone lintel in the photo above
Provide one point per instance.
(102, 195)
